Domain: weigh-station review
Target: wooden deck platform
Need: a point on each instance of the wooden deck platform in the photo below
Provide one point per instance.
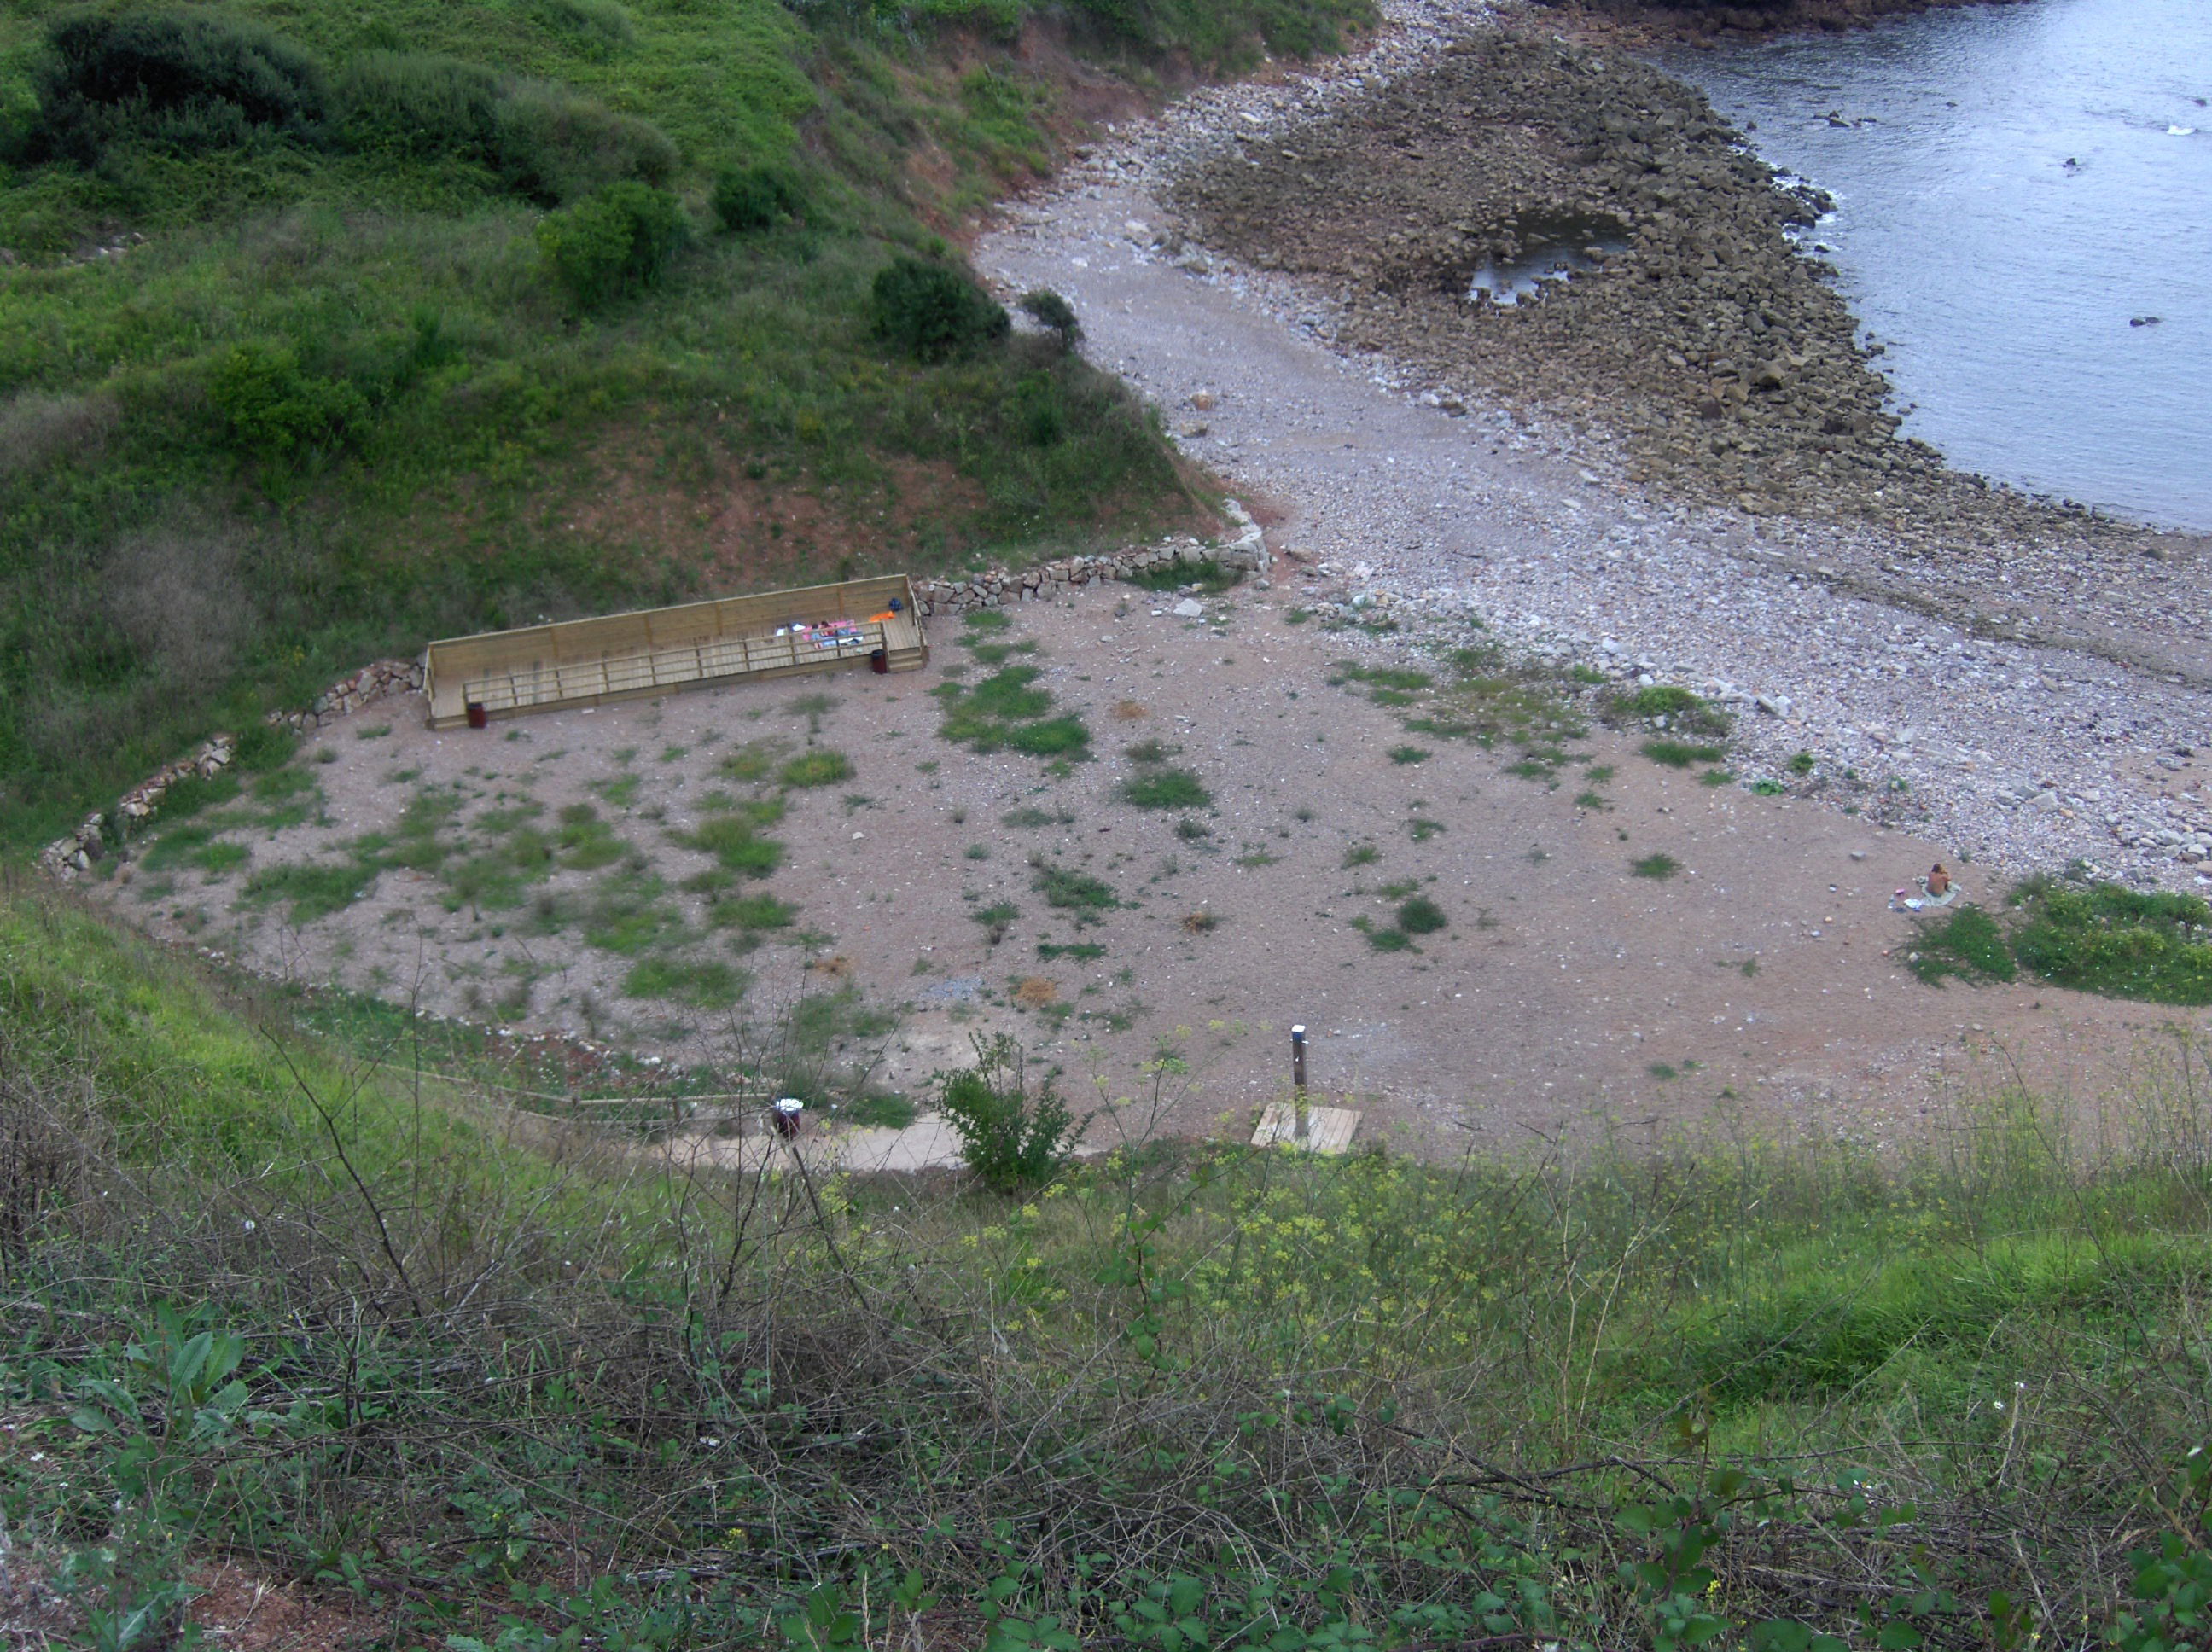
(658, 650)
(1328, 1129)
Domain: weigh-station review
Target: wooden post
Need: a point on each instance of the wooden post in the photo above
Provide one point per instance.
(1298, 1077)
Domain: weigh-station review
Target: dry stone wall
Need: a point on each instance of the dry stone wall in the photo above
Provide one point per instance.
(66, 857)
(1246, 551)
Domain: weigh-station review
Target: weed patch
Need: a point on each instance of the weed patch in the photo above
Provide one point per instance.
(1078, 951)
(814, 768)
(1421, 916)
(2094, 938)
(698, 985)
(1006, 711)
(1669, 706)
(1165, 787)
(1659, 867)
(1968, 943)
(751, 912)
(312, 891)
(736, 844)
(1206, 579)
(1677, 754)
(1079, 895)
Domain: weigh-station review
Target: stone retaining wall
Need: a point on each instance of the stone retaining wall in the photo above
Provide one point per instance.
(1247, 553)
(380, 680)
(65, 857)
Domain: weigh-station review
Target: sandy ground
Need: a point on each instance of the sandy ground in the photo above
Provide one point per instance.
(1566, 988)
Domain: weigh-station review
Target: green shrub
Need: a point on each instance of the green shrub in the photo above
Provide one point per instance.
(554, 145)
(537, 138)
(186, 80)
(1658, 867)
(1014, 1142)
(931, 311)
(615, 243)
(757, 197)
(273, 409)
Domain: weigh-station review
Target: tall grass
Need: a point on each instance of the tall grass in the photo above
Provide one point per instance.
(1927, 1388)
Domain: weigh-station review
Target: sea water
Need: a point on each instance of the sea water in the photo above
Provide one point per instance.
(2023, 222)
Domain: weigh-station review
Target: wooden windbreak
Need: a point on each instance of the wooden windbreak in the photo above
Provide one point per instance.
(656, 651)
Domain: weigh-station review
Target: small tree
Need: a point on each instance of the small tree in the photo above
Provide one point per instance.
(933, 311)
(1055, 314)
(1013, 1141)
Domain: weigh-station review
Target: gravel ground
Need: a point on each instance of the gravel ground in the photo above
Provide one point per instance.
(2028, 704)
(1559, 986)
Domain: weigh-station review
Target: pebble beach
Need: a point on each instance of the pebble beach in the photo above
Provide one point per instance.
(2022, 681)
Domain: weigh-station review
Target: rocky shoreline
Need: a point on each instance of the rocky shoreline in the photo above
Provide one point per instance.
(1702, 20)
(1641, 470)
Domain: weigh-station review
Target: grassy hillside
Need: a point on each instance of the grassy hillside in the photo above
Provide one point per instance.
(326, 330)
(475, 1380)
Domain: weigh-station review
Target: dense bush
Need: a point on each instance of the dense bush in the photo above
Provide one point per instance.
(194, 82)
(616, 242)
(553, 145)
(758, 197)
(174, 79)
(1013, 1141)
(539, 139)
(415, 104)
(272, 408)
(933, 311)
